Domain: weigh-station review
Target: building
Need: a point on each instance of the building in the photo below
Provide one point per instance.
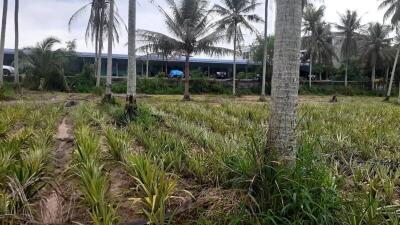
(156, 64)
(337, 42)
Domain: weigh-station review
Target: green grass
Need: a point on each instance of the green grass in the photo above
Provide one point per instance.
(7, 92)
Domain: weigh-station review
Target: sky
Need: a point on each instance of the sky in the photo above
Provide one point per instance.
(43, 18)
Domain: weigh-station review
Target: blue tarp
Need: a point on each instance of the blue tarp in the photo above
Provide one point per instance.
(175, 74)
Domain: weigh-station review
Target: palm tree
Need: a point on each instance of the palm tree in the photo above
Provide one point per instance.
(43, 63)
(236, 16)
(93, 27)
(390, 53)
(265, 57)
(192, 33)
(348, 27)
(16, 48)
(393, 12)
(319, 44)
(397, 45)
(3, 39)
(97, 27)
(162, 48)
(312, 16)
(100, 34)
(375, 40)
(131, 79)
(257, 49)
(110, 49)
(285, 79)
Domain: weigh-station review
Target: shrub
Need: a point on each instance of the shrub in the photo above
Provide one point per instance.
(161, 75)
(337, 90)
(31, 82)
(55, 81)
(85, 81)
(7, 92)
(248, 75)
(197, 74)
(305, 194)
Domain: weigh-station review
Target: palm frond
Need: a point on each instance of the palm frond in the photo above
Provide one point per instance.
(234, 15)
(98, 19)
(77, 14)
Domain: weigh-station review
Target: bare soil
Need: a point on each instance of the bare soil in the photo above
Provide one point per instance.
(121, 189)
(57, 206)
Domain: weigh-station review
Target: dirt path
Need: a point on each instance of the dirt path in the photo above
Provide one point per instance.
(54, 206)
(120, 188)
(45, 98)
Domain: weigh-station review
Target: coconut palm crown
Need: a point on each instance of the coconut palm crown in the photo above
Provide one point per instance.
(319, 44)
(392, 10)
(312, 18)
(236, 16)
(98, 17)
(374, 42)
(192, 33)
(348, 27)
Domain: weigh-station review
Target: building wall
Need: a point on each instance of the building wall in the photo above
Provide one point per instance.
(337, 42)
(156, 64)
(155, 67)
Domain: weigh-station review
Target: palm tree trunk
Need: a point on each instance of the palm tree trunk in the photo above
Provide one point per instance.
(386, 78)
(147, 66)
(285, 80)
(3, 39)
(265, 59)
(110, 51)
(311, 68)
(96, 41)
(186, 95)
(346, 73)
(234, 61)
(99, 61)
(389, 91)
(16, 47)
(131, 107)
(320, 72)
(373, 76)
